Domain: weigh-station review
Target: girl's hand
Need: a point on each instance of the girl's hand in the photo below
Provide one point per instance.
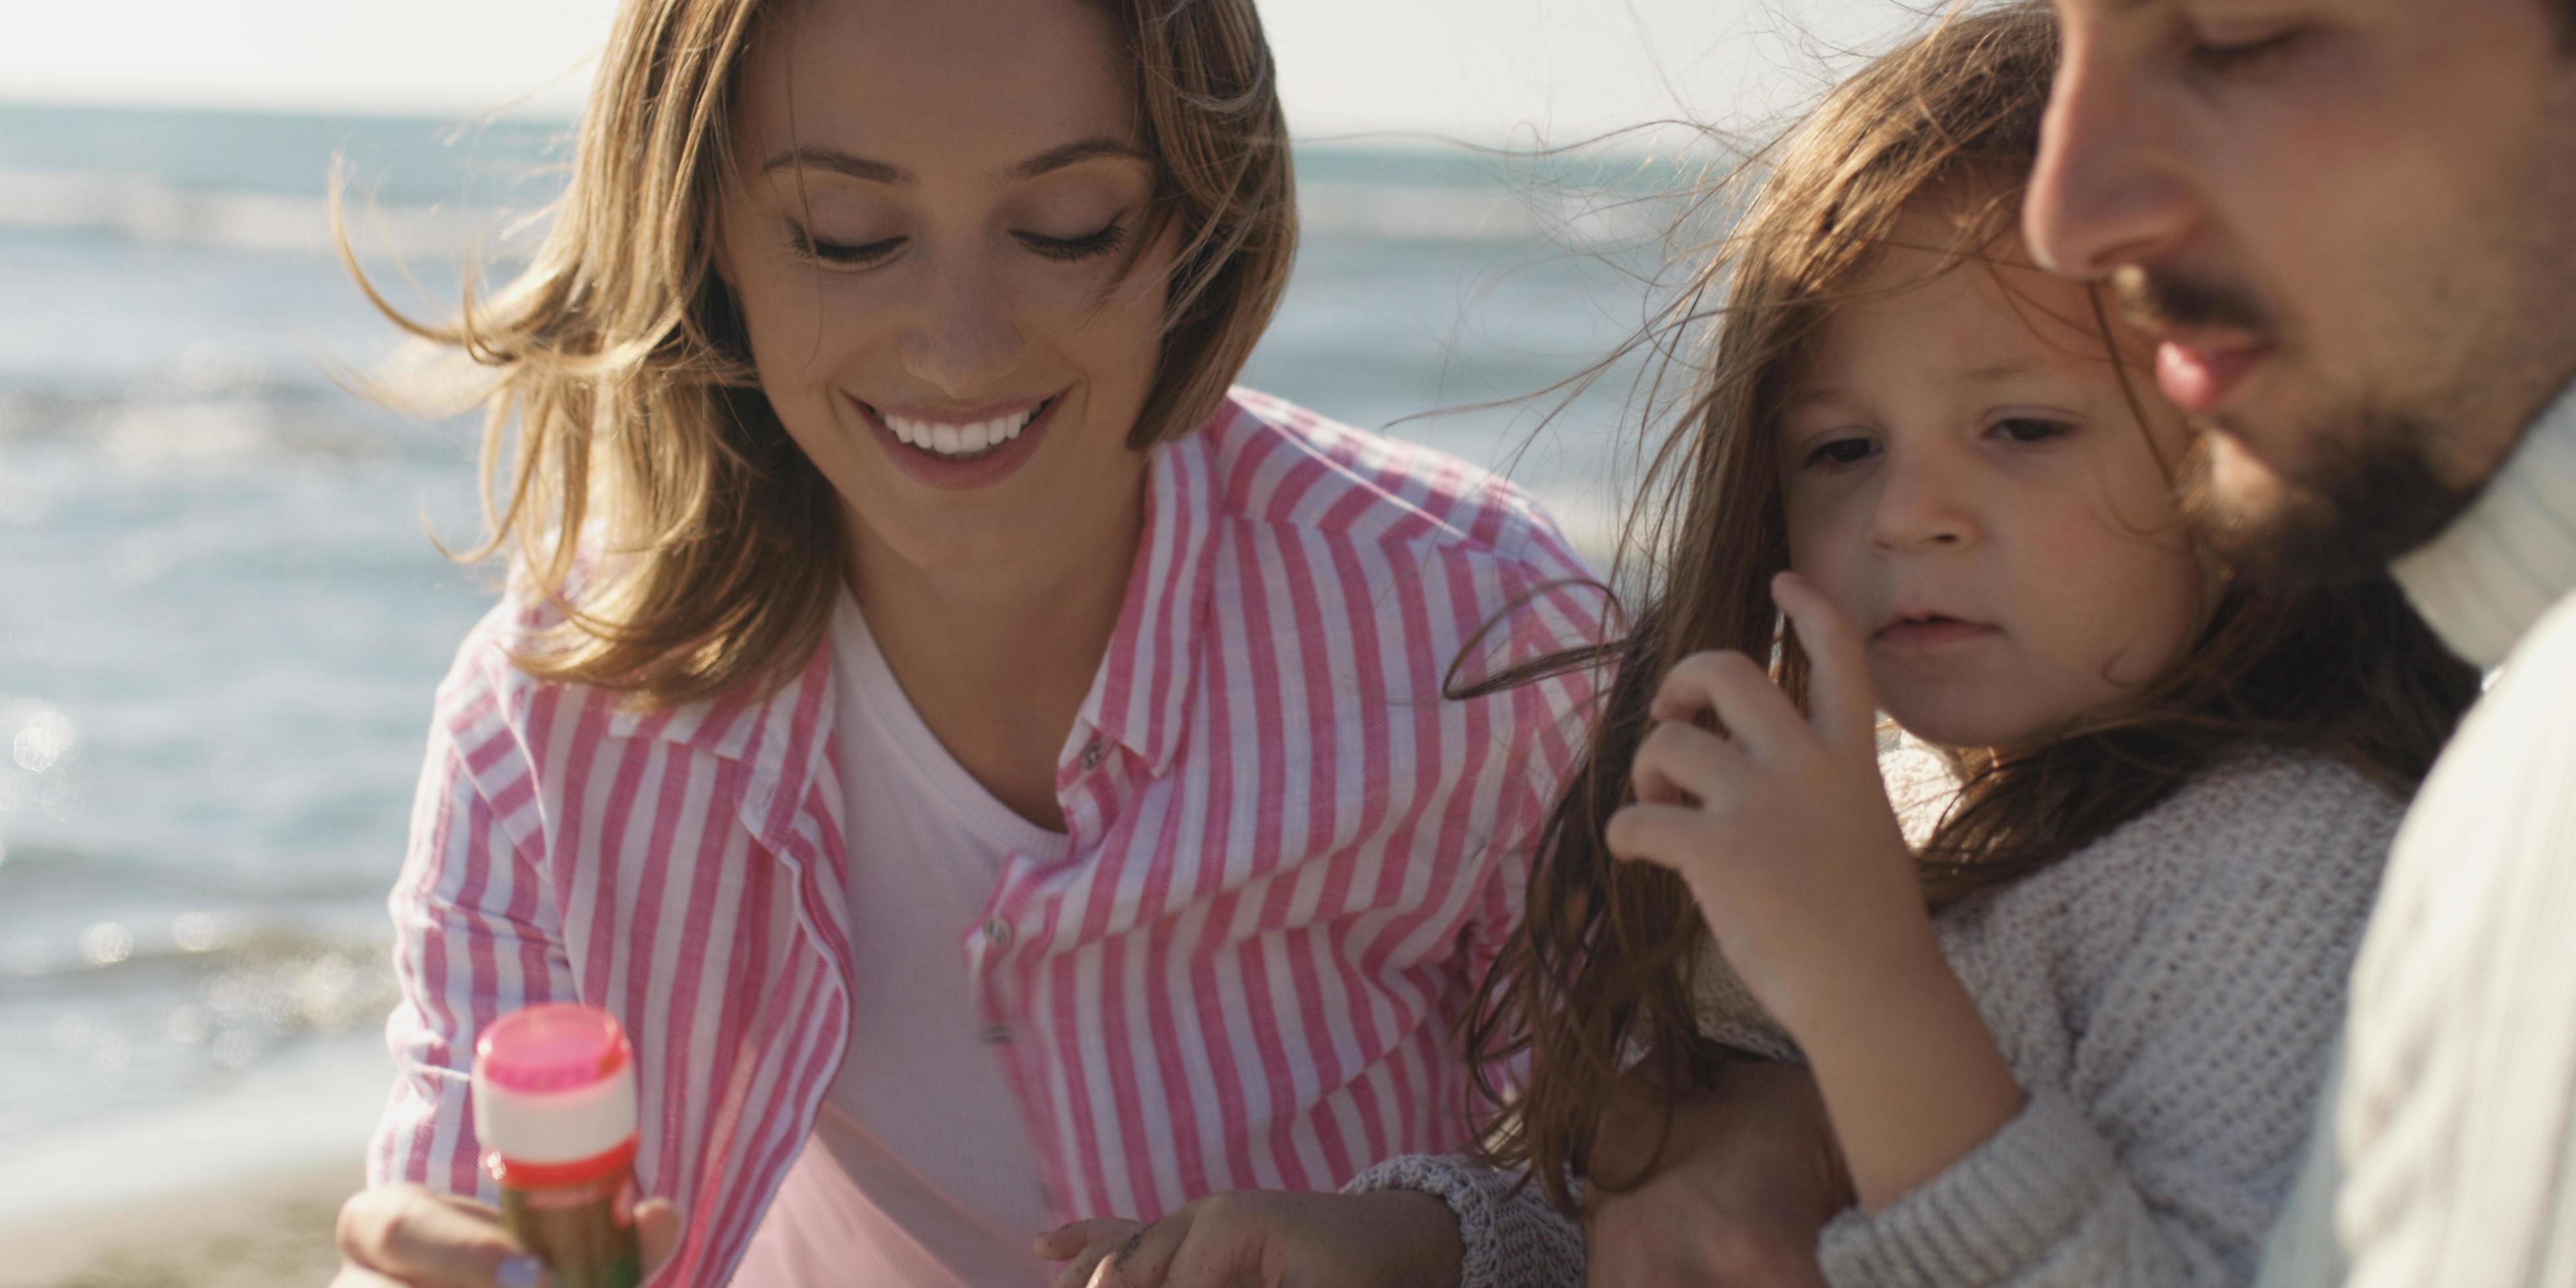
(413, 1235)
(1267, 1239)
(1781, 826)
(1745, 1180)
(1783, 832)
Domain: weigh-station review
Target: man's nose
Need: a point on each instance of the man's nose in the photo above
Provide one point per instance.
(2102, 195)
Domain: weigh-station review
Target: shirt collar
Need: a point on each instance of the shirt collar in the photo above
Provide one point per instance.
(779, 738)
(1141, 697)
(2488, 577)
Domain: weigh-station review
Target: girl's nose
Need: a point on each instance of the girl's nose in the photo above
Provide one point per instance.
(1922, 506)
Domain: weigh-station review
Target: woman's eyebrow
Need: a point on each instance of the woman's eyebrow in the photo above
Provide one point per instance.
(838, 162)
(1057, 158)
(859, 167)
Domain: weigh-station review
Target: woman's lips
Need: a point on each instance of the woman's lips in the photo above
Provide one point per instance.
(962, 473)
(2199, 376)
(1930, 634)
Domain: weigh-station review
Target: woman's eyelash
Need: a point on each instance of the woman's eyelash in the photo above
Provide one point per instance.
(2242, 56)
(842, 254)
(1086, 246)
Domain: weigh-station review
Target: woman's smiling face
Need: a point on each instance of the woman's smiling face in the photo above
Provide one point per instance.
(1967, 480)
(932, 207)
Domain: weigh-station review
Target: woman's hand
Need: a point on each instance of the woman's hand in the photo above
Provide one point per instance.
(1267, 1239)
(417, 1237)
(1782, 830)
(1743, 1186)
(1780, 826)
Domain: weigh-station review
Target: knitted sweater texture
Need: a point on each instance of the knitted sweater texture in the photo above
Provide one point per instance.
(2168, 997)
(2447, 1152)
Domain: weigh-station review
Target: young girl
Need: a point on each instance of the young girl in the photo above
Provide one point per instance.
(2065, 959)
(994, 771)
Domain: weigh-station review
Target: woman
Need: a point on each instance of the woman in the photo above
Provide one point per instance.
(996, 773)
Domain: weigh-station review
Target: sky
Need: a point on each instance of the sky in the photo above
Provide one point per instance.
(1489, 70)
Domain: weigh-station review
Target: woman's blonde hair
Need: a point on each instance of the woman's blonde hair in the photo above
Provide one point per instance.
(1596, 985)
(627, 445)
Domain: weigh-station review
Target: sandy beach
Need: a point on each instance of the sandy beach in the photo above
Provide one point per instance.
(235, 1189)
(266, 1230)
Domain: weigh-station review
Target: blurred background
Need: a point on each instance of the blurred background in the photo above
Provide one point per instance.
(221, 613)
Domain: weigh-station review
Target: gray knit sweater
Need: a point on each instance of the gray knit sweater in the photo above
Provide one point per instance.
(2167, 996)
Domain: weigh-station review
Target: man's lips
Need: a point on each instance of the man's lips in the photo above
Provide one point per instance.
(2198, 373)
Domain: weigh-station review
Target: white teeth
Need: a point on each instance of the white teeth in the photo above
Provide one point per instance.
(961, 440)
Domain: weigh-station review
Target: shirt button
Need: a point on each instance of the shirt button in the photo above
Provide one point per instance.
(997, 1035)
(997, 932)
(1091, 755)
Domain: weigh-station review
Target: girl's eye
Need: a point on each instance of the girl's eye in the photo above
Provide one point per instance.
(1840, 452)
(2245, 55)
(1087, 246)
(842, 254)
(2030, 429)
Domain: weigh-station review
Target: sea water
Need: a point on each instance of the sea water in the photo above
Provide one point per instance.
(221, 612)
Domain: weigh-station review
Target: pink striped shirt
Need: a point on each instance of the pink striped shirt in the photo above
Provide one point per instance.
(1290, 858)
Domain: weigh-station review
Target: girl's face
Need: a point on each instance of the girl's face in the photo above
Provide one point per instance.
(1966, 479)
(933, 202)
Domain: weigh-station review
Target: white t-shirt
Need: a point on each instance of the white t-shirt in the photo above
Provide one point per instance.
(919, 1171)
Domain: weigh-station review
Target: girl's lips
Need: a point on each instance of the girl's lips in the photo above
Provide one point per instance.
(2199, 378)
(1933, 634)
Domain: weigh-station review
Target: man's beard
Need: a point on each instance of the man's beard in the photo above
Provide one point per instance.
(2357, 503)
(2364, 495)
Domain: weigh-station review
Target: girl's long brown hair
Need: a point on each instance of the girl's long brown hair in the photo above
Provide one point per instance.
(625, 430)
(1595, 987)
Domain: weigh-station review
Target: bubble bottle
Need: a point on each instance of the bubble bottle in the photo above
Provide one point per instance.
(554, 1105)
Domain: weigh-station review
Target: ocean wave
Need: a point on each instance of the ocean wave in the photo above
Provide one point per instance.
(81, 924)
(144, 208)
(177, 427)
(1543, 212)
(147, 209)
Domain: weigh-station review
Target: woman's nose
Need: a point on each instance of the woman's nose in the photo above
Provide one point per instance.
(963, 337)
(2101, 196)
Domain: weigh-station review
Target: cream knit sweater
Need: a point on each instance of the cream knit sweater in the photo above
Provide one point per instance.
(2446, 1154)
(2168, 997)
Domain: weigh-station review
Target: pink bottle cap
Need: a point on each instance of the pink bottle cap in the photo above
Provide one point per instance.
(554, 1085)
(549, 1048)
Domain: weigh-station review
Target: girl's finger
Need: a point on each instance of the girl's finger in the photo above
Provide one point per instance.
(1146, 1257)
(1069, 1240)
(1667, 836)
(1739, 693)
(1077, 1272)
(1843, 706)
(1681, 763)
(1082, 1245)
